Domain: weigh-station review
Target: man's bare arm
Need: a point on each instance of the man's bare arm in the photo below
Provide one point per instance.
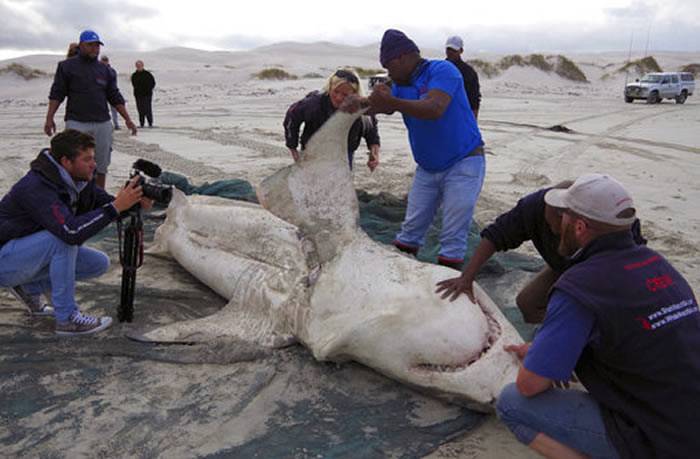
(49, 124)
(121, 108)
(431, 107)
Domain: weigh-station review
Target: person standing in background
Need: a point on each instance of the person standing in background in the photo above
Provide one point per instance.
(115, 117)
(453, 51)
(143, 82)
(89, 87)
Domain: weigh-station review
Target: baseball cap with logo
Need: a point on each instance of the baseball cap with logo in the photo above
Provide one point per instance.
(454, 42)
(89, 36)
(598, 197)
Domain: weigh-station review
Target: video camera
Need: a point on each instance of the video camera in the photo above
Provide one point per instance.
(382, 78)
(152, 187)
(131, 234)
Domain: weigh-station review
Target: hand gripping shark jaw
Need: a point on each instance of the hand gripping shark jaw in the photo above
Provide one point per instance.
(300, 268)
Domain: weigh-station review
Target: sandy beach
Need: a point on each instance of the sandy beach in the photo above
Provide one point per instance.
(214, 120)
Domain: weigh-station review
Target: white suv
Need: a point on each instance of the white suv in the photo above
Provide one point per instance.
(654, 87)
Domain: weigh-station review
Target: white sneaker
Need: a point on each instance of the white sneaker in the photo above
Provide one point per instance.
(34, 303)
(82, 324)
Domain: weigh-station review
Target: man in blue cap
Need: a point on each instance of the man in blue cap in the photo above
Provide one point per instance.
(445, 141)
(89, 86)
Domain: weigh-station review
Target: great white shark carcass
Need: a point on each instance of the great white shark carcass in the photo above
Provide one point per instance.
(299, 268)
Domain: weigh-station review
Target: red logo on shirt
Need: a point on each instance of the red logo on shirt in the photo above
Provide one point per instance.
(646, 325)
(56, 210)
(659, 283)
(642, 264)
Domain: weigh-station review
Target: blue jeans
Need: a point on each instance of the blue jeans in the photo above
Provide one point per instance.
(457, 190)
(41, 262)
(571, 417)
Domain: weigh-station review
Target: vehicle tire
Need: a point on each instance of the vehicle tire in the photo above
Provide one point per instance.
(653, 98)
(683, 96)
(629, 100)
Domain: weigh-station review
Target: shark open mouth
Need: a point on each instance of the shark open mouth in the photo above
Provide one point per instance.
(494, 332)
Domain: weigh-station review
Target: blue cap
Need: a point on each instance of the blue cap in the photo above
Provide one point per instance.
(89, 36)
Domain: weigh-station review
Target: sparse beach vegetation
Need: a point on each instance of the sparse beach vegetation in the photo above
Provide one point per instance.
(561, 65)
(274, 74)
(486, 68)
(692, 68)
(641, 66)
(566, 68)
(23, 71)
(539, 61)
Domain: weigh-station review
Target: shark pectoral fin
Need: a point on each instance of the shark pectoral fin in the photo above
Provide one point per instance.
(229, 323)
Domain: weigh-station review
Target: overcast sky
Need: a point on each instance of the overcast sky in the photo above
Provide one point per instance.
(30, 26)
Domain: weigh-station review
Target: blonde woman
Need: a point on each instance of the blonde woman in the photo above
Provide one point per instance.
(318, 106)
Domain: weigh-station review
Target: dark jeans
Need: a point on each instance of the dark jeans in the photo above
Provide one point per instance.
(143, 105)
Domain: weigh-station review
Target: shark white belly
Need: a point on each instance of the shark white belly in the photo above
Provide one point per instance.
(300, 268)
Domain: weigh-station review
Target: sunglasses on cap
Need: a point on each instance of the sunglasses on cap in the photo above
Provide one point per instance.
(347, 76)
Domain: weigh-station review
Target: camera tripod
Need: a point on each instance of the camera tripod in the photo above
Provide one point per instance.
(131, 259)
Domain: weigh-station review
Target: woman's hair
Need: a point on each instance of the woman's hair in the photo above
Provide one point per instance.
(350, 76)
(344, 75)
(72, 49)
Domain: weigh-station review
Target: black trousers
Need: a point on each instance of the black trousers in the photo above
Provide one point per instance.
(143, 105)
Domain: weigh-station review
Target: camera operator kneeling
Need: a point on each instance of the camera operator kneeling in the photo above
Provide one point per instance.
(44, 220)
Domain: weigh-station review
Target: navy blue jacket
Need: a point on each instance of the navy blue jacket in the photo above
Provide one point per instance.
(41, 201)
(644, 369)
(525, 222)
(89, 86)
(314, 110)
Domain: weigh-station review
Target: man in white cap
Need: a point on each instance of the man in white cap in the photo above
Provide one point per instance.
(89, 86)
(627, 323)
(454, 47)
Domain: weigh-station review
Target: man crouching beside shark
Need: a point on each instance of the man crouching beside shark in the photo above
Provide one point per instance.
(299, 268)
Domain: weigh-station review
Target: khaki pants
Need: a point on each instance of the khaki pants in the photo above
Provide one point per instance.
(102, 132)
(532, 299)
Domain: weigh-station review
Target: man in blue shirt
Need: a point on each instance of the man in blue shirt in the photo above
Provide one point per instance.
(445, 141)
(627, 323)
